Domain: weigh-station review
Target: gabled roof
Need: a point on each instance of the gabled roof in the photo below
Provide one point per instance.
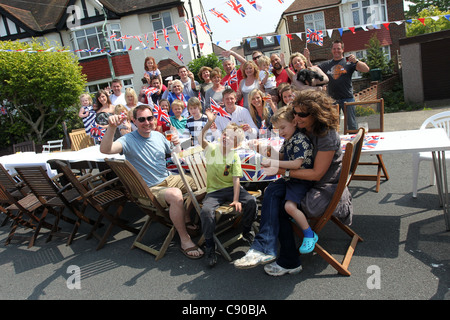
(45, 15)
(302, 5)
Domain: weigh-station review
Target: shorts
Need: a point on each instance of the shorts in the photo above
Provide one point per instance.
(172, 181)
(296, 190)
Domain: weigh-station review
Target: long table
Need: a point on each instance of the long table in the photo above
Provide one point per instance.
(433, 140)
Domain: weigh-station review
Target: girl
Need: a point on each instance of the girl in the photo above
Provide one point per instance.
(151, 68)
(87, 112)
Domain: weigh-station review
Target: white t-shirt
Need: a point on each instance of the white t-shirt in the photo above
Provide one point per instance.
(115, 100)
(240, 116)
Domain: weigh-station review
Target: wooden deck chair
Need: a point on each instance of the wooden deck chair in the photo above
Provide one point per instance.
(55, 199)
(26, 146)
(370, 112)
(26, 212)
(349, 165)
(141, 195)
(101, 200)
(195, 161)
(80, 140)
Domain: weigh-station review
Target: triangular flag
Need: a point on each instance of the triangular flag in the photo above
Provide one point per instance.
(289, 36)
(435, 18)
(340, 31)
(352, 29)
(201, 45)
(299, 35)
(447, 16)
(278, 38)
(409, 20)
(176, 48)
(386, 25)
(422, 20)
(330, 32)
(168, 49)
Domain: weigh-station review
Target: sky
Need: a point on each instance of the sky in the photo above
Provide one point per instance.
(254, 23)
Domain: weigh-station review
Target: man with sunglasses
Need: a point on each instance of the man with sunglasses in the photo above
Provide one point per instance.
(146, 150)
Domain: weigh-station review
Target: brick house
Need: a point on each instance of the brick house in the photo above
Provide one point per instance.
(364, 17)
(88, 27)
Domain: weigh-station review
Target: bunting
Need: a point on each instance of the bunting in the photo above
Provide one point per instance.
(219, 15)
(166, 37)
(177, 31)
(155, 39)
(203, 24)
(190, 27)
(237, 7)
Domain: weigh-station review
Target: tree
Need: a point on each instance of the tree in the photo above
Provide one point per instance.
(39, 86)
(376, 58)
(211, 60)
(430, 25)
(419, 5)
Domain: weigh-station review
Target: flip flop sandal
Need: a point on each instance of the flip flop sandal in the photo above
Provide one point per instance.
(308, 244)
(187, 250)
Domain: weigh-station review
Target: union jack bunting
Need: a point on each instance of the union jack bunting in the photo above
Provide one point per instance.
(219, 15)
(177, 31)
(113, 35)
(155, 39)
(180, 56)
(254, 4)
(160, 114)
(314, 36)
(203, 24)
(233, 78)
(218, 109)
(190, 27)
(236, 6)
(166, 37)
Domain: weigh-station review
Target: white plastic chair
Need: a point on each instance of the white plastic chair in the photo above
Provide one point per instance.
(52, 145)
(440, 120)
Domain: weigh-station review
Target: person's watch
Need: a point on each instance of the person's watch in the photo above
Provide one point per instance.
(287, 174)
(286, 67)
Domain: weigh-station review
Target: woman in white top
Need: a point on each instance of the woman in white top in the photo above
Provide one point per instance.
(249, 82)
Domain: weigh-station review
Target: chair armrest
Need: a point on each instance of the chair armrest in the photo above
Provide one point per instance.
(101, 186)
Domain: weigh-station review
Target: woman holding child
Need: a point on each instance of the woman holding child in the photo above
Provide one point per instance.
(318, 119)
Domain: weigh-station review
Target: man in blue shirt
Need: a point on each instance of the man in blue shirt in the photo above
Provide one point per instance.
(146, 150)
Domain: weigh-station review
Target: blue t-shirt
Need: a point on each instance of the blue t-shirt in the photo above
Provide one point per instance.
(147, 155)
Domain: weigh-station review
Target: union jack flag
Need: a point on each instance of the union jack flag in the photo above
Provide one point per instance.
(160, 114)
(180, 56)
(219, 15)
(155, 39)
(203, 24)
(177, 31)
(236, 6)
(190, 27)
(255, 5)
(233, 78)
(314, 36)
(166, 37)
(218, 109)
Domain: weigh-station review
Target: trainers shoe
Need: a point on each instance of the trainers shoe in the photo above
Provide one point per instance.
(249, 237)
(275, 270)
(253, 258)
(211, 256)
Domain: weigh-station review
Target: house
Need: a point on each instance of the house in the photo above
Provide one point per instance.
(266, 43)
(112, 38)
(352, 21)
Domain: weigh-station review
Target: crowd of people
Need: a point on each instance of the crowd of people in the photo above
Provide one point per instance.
(263, 94)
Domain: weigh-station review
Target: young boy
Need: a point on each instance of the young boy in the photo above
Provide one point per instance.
(266, 76)
(295, 153)
(177, 120)
(196, 121)
(223, 184)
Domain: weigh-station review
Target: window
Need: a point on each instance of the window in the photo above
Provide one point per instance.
(94, 88)
(368, 12)
(92, 38)
(269, 41)
(253, 43)
(161, 21)
(315, 21)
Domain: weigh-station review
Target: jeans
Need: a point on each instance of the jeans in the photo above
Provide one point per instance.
(351, 114)
(273, 201)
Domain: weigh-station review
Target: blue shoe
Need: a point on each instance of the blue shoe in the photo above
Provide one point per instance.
(308, 244)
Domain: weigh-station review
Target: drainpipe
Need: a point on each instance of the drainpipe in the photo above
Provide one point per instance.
(106, 45)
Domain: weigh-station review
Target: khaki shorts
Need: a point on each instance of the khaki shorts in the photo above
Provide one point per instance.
(172, 181)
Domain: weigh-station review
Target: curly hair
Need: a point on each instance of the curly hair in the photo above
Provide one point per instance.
(255, 69)
(321, 107)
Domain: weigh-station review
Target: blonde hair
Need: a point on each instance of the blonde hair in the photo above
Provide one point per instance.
(216, 72)
(87, 95)
(284, 113)
(295, 55)
(251, 107)
(176, 103)
(263, 60)
(131, 92)
(255, 69)
(194, 102)
(239, 132)
(118, 109)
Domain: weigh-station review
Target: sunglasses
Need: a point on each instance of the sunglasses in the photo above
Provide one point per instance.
(301, 114)
(142, 119)
(256, 58)
(226, 172)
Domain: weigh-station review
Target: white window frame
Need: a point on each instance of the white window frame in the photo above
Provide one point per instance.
(127, 83)
(158, 17)
(316, 22)
(377, 8)
(111, 27)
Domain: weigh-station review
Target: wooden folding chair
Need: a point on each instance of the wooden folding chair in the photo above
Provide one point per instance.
(55, 199)
(101, 200)
(26, 146)
(370, 112)
(195, 161)
(80, 140)
(349, 165)
(140, 194)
